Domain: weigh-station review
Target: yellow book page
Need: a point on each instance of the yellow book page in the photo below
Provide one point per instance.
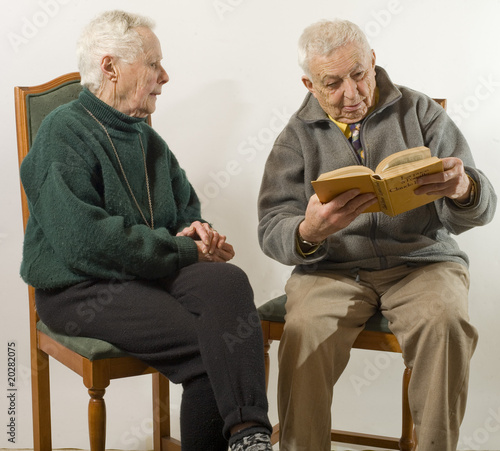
(346, 171)
(403, 157)
(408, 168)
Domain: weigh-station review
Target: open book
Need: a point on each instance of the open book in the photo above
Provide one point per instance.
(393, 182)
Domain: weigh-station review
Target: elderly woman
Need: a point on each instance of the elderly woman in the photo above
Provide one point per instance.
(116, 247)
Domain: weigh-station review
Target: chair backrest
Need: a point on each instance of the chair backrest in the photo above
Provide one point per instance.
(442, 102)
(32, 105)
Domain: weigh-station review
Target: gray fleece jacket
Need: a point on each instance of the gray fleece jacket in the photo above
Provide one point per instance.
(312, 144)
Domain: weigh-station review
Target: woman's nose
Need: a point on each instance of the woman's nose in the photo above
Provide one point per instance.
(163, 78)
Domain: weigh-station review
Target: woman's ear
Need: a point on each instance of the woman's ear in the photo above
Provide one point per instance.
(109, 69)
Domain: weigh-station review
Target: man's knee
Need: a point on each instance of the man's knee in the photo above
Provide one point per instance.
(447, 320)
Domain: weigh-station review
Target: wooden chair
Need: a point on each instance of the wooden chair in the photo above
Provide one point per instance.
(375, 337)
(96, 361)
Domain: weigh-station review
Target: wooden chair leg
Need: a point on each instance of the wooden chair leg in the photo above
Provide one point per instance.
(407, 441)
(161, 410)
(162, 439)
(275, 435)
(97, 419)
(40, 385)
(267, 346)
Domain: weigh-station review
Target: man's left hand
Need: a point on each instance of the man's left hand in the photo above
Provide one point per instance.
(452, 182)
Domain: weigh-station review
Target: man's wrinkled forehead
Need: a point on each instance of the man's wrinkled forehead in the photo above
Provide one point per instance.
(358, 67)
(340, 64)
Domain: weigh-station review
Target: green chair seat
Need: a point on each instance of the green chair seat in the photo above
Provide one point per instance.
(90, 348)
(274, 310)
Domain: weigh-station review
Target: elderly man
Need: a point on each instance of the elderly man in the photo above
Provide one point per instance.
(349, 264)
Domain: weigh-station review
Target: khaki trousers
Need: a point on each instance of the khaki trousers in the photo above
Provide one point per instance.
(426, 307)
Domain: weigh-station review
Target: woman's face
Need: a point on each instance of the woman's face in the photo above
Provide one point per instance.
(139, 83)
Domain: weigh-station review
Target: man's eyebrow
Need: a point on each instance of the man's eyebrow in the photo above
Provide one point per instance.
(357, 68)
(331, 77)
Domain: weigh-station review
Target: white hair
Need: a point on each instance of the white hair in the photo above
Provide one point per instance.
(111, 33)
(325, 37)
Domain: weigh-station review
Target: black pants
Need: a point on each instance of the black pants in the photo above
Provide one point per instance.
(199, 328)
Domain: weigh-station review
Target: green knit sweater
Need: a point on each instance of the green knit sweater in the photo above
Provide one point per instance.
(83, 222)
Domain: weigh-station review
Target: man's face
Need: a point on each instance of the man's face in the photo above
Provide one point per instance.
(343, 83)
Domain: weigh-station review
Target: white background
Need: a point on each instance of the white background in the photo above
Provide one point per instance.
(233, 81)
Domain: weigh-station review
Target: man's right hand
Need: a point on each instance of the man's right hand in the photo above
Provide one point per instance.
(322, 220)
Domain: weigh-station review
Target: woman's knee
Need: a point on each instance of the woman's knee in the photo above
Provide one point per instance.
(223, 277)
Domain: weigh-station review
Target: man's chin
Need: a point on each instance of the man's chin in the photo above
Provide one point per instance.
(350, 117)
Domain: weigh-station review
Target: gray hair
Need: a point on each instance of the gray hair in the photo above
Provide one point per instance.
(111, 33)
(325, 37)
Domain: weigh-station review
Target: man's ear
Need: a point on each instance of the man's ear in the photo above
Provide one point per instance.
(308, 84)
(374, 58)
(109, 69)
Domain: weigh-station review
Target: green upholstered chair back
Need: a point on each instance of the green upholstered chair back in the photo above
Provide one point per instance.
(39, 105)
(33, 104)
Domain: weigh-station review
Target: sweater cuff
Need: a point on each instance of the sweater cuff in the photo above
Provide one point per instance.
(187, 250)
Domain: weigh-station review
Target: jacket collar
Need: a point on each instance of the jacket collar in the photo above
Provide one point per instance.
(311, 111)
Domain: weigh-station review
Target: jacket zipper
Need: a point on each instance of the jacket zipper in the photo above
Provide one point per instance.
(373, 216)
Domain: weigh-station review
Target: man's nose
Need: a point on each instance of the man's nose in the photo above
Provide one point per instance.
(350, 88)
